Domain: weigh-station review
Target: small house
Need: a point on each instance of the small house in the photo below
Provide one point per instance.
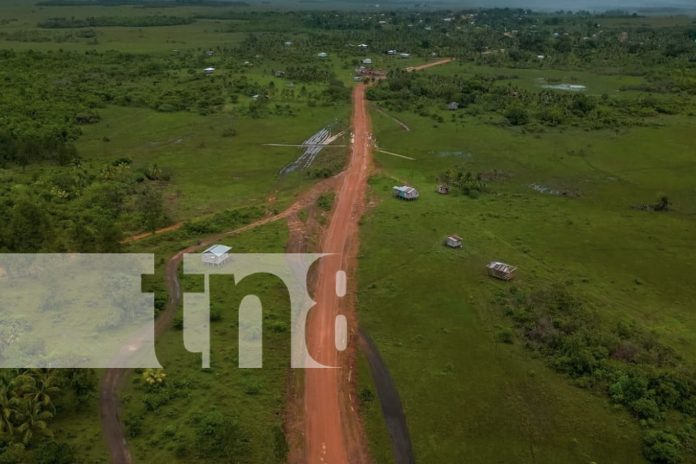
(453, 106)
(216, 255)
(404, 55)
(367, 61)
(453, 241)
(501, 271)
(288, 43)
(443, 189)
(405, 192)
(209, 71)
(363, 46)
(391, 52)
(322, 55)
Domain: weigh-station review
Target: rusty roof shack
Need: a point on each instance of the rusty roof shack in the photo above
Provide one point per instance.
(453, 241)
(501, 271)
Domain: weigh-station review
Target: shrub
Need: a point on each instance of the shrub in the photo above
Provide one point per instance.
(505, 335)
(220, 436)
(517, 116)
(661, 447)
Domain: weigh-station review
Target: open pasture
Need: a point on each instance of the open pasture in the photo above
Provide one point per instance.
(466, 388)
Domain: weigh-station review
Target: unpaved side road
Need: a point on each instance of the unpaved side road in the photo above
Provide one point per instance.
(111, 383)
(429, 65)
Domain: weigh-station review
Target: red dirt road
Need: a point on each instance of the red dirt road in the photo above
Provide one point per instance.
(328, 438)
(429, 65)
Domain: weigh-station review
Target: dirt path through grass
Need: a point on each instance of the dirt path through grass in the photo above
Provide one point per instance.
(113, 379)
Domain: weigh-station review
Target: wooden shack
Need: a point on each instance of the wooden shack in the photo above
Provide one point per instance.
(453, 241)
(405, 192)
(443, 189)
(501, 271)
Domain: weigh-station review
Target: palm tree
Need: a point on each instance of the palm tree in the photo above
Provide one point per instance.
(26, 404)
(6, 412)
(32, 420)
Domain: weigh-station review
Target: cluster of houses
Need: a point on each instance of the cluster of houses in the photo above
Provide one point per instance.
(496, 269)
(363, 72)
(399, 54)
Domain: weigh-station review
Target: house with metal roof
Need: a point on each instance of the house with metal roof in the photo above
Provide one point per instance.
(405, 192)
(216, 255)
(501, 271)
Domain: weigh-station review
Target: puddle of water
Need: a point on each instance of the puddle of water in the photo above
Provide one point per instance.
(566, 87)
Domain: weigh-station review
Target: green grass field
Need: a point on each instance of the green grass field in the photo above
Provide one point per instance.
(601, 81)
(431, 309)
(163, 422)
(210, 172)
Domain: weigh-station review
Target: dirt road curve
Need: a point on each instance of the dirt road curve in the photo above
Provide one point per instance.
(113, 379)
(326, 435)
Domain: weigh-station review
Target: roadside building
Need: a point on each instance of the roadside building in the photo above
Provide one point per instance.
(216, 255)
(405, 192)
(501, 271)
(453, 241)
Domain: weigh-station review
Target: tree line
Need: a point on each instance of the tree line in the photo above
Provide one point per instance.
(115, 21)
